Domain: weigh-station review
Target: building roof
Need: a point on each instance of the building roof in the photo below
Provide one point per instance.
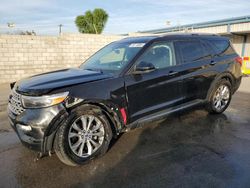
(236, 20)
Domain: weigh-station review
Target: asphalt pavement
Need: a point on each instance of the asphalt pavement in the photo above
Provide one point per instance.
(188, 149)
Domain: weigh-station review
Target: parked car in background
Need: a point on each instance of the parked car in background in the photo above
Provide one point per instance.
(76, 112)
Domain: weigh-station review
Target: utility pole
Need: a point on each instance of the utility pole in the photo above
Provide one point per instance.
(60, 29)
(168, 23)
(11, 25)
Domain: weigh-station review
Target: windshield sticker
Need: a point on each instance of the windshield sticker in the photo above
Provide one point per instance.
(136, 45)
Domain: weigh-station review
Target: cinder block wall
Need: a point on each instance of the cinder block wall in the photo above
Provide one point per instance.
(23, 56)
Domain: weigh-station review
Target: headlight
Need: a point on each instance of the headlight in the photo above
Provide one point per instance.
(43, 101)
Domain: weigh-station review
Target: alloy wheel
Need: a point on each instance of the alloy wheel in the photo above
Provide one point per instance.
(221, 97)
(86, 135)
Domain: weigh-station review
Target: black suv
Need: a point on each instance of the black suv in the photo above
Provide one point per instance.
(76, 112)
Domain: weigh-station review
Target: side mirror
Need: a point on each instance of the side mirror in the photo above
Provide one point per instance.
(144, 67)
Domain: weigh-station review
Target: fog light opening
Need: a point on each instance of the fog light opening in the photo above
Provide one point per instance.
(24, 127)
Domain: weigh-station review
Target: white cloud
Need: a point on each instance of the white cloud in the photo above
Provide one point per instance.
(177, 12)
(41, 16)
(20, 6)
(44, 16)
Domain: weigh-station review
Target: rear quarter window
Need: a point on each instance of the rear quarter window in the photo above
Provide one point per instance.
(222, 47)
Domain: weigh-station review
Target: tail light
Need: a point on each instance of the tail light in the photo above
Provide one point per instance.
(239, 60)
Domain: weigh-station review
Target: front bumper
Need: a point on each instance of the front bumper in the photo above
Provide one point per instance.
(34, 127)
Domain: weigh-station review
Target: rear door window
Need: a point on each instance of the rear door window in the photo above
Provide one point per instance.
(222, 47)
(191, 50)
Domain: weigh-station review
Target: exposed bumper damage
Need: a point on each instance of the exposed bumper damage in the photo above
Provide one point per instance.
(36, 127)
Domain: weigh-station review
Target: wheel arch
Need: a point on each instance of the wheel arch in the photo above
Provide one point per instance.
(229, 77)
(226, 75)
(109, 110)
(112, 114)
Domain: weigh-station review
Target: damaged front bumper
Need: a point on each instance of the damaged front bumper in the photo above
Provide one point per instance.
(36, 128)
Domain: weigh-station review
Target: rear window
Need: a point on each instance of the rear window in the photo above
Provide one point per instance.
(191, 50)
(222, 47)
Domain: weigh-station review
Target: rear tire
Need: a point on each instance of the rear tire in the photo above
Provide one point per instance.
(219, 97)
(85, 135)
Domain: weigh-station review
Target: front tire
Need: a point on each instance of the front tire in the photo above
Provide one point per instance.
(84, 136)
(220, 97)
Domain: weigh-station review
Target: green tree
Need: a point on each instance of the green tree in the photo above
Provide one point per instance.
(92, 22)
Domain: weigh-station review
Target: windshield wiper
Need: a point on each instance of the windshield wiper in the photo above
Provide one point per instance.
(96, 70)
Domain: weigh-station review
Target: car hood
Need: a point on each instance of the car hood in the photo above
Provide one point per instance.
(44, 83)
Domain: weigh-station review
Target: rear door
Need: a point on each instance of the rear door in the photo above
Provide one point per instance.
(157, 90)
(195, 67)
(223, 56)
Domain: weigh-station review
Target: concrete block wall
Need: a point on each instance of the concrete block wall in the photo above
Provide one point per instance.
(247, 47)
(23, 56)
(237, 41)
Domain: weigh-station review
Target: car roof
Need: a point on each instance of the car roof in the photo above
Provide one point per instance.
(174, 36)
(138, 39)
(193, 35)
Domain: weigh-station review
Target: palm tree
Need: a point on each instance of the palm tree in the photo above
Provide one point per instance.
(92, 22)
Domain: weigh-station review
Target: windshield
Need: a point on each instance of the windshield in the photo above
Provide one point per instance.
(113, 57)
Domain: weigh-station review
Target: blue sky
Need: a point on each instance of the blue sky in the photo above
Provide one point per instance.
(44, 16)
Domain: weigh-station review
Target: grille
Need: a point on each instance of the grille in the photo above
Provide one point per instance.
(15, 104)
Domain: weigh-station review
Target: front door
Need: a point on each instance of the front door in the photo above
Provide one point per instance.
(154, 91)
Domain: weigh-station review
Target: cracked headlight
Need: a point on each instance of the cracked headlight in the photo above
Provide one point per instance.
(43, 101)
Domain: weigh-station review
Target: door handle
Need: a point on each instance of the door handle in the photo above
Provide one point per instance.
(171, 73)
(212, 62)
